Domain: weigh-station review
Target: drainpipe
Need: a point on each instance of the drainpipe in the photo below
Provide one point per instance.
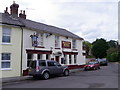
(21, 50)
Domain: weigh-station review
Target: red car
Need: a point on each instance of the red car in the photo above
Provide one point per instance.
(92, 65)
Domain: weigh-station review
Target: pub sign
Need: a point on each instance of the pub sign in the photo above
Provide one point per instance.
(66, 44)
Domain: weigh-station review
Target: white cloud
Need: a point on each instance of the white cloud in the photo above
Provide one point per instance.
(89, 19)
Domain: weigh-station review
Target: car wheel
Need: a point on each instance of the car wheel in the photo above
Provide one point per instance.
(66, 73)
(85, 69)
(46, 75)
(94, 68)
(98, 67)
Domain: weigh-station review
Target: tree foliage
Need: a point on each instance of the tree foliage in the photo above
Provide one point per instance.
(87, 46)
(113, 54)
(99, 48)
(112, 43)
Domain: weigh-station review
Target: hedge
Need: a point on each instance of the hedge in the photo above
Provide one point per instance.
(114, 57)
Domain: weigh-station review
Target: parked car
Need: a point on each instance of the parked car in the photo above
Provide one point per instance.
(102, 61)
(92, 66)
(46, 68)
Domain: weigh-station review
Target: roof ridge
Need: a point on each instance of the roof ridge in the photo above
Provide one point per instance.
(38, 26)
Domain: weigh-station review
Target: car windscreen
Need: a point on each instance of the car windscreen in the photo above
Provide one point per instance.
(89, 63)
(32, 64)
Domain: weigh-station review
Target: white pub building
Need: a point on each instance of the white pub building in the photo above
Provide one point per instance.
(39, 41)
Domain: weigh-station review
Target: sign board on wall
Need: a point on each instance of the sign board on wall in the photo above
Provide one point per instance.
(66, 44)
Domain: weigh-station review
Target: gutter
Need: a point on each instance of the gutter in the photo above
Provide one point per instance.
(12, 24)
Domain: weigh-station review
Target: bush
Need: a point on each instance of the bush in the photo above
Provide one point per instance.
(119, 56)
(113, 57)
(90, 57)
(109, 57)
(113, 54)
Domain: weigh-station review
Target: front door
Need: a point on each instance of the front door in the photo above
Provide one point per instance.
(57, 58)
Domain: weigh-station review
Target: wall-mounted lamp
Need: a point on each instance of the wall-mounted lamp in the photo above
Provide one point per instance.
(48, 34)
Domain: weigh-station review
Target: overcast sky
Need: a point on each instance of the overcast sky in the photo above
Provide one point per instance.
(89, 19)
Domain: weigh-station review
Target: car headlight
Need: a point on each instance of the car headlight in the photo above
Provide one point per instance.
(91, 66)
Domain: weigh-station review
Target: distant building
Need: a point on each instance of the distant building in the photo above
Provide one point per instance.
(23, 40)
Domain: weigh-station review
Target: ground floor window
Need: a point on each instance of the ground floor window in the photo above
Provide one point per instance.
(65, 59)
(62, 60)
(48, 56)
(6, 60)
(29, 58)
(70, 61)
(75, 59)
(39, 56)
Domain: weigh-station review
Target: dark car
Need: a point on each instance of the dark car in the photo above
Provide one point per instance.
(45, 68)
(92, 66)
(102, 61)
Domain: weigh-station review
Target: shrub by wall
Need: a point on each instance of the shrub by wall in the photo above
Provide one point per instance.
(114, 57)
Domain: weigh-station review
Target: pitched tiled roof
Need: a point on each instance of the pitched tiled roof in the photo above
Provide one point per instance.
(7, 19)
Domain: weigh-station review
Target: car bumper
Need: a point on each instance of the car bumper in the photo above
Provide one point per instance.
(103, 63)
(88, 68)
(34, 74)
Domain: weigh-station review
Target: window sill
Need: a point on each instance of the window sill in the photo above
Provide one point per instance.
(74, 49)
(6, 43)
(40, 47)
(57, 48)
(6, 69)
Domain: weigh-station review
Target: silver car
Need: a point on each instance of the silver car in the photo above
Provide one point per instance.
(45, 68)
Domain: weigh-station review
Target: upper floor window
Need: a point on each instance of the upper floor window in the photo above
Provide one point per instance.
(57, 44)
(5, 60)
(74, 44)
(40, 39)
(6, 35)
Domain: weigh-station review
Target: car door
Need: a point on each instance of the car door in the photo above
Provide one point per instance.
(52, 67)
(97, 64)
(59, 68)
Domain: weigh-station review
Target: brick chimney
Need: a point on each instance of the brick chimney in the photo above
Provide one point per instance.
(6, 11)
(22, 14)
(14, 9)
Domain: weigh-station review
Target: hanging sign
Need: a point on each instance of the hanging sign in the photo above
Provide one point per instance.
(34, 39)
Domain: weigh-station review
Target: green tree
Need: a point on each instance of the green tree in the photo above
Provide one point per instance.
(87, 45)
(99, 48)
(112, 43)
(113, 54)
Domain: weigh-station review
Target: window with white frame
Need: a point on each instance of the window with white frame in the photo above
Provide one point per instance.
(5, 60)
(6, 35)
(57, 42)
(75, 59)
(74, 44)
(39, 56)
(65, 58)
(70, 60)
(40, 39)
(48, 56)
(29, 58)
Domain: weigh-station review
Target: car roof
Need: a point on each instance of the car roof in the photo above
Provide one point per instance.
(92, 62)
(46, 60)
